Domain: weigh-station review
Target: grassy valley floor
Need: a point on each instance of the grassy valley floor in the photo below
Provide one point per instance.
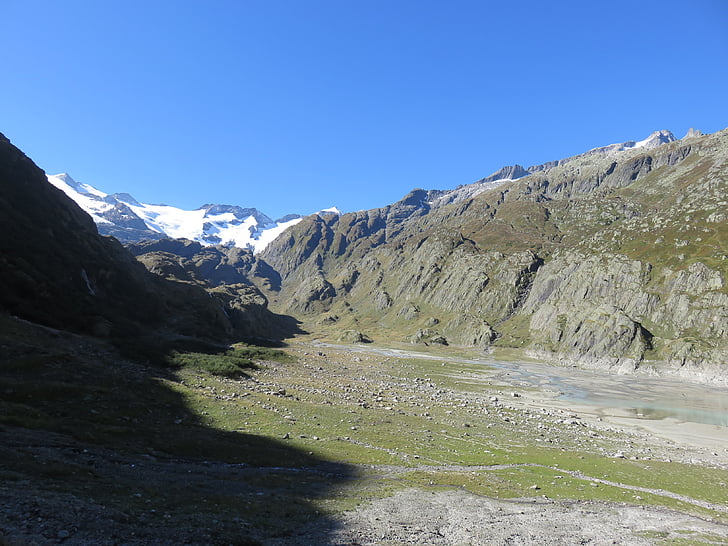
(332, 446)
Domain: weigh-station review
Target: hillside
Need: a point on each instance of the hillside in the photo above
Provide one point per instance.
(56, 270)
(616, 258)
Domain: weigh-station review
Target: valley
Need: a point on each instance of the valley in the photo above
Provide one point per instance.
(340, 445)
(535, 358)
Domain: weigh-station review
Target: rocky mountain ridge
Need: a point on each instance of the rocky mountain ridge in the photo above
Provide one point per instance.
(616, 258)
(514, 172)
(122, 216)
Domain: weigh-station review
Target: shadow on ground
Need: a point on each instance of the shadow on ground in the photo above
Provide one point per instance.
(96, 449)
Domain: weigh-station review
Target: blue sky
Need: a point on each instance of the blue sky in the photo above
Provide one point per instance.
(292, 106)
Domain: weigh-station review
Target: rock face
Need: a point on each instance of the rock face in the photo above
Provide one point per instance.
(232, 278)
(616, 258)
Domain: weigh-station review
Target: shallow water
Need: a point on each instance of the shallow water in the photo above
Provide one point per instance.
(643, 396)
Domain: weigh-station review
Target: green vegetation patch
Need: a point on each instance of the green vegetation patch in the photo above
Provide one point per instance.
(232, 363)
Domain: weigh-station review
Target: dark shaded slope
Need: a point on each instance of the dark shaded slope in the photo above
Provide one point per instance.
(54, 267)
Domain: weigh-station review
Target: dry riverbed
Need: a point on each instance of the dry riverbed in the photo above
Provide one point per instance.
(345, 447)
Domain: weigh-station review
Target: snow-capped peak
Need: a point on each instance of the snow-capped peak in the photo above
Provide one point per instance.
(330, 210)
(87, 197)
(64, 179)
(128, 220)
(658, 138)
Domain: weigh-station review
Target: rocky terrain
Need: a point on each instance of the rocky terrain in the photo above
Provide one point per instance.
(56, 270)
(614, 259)
(332, 447)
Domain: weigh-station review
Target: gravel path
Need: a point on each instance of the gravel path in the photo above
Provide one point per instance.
(460, 518)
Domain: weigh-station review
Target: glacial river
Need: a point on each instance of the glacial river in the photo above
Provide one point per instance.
(644, 397)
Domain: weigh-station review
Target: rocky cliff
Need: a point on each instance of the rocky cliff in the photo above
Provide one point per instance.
(614, 258)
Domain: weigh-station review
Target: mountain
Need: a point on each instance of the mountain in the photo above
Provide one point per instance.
(130, 221)
(616, 258)
(514, 172)
(56, 270)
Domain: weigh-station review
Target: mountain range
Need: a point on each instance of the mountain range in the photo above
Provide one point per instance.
(616, 258)
(57, 271)
(128, 220)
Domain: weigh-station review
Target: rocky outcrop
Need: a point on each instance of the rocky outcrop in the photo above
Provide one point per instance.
(613, 311)
(427, 336)
(354, 336)
(470, 330)
(209, 265)
(232, 277)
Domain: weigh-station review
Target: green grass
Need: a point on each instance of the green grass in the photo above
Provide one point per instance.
(325, 418)
(226, 365)
(233, 363)
(393, 422)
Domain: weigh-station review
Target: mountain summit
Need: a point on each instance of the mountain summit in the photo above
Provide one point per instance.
(130, 221)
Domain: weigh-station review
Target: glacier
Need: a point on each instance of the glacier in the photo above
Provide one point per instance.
(123, 217)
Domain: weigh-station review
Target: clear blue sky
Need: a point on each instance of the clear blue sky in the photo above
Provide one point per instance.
(297, 105)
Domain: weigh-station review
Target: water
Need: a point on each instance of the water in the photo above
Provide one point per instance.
(643, 396)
